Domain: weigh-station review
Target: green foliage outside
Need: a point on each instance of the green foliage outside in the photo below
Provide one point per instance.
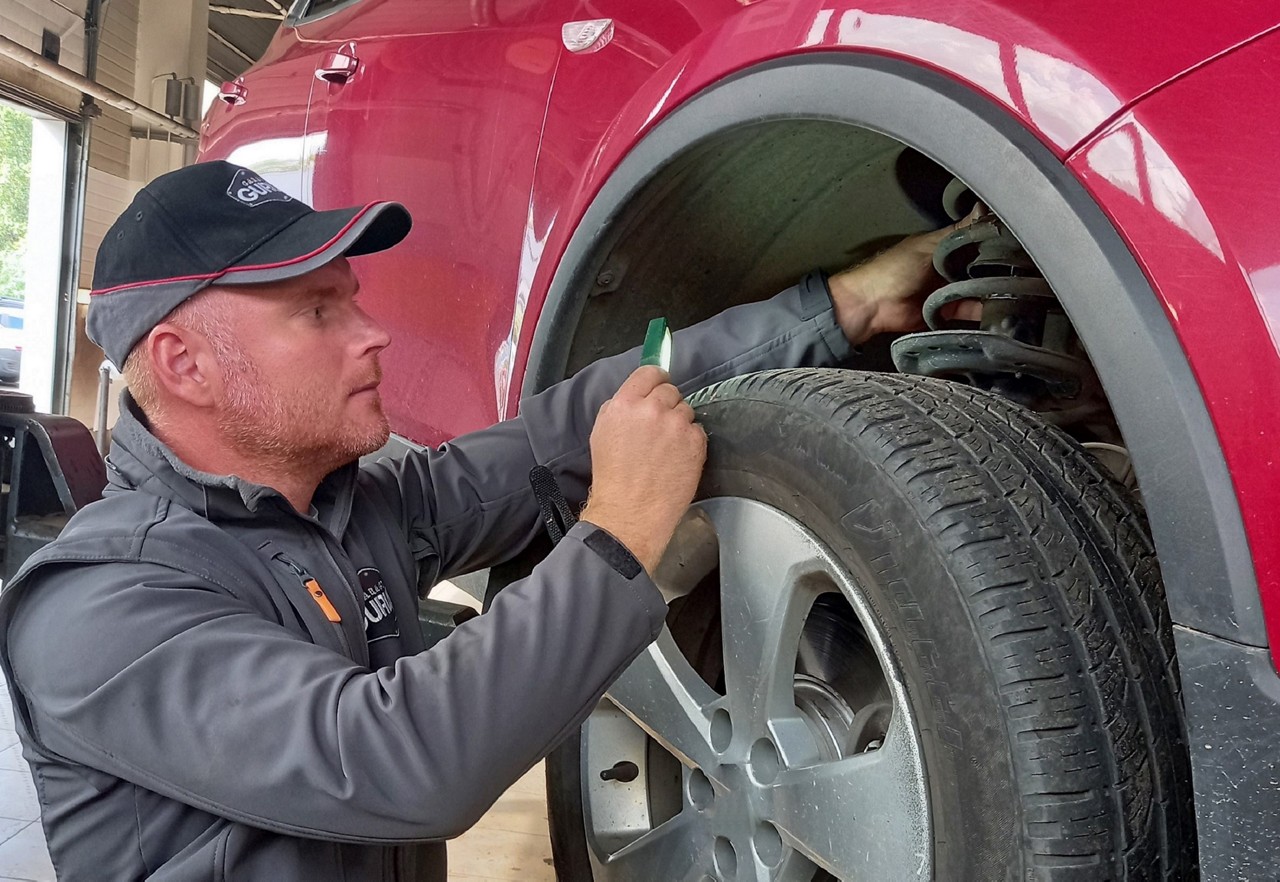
(15, 190)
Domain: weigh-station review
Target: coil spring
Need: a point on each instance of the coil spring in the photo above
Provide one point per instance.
(1023, 347)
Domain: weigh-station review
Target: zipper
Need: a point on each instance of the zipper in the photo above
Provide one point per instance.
(351, 580)
(313, 589)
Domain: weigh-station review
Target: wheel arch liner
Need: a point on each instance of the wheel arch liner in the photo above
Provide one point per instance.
(1194, 515)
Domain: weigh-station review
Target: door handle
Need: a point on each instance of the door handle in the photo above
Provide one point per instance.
(338, 67)
(233, 93)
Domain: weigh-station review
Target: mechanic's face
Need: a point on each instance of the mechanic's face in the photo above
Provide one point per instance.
(301, 370)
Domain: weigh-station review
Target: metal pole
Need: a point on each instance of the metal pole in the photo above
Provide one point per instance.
(247, 13)
(44, 66)
(100, 415)
(73, 215)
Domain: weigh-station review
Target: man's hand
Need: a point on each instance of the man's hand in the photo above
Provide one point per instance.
(646, 459)
(887, 293)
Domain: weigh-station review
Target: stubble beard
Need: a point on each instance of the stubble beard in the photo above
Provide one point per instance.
(291, 429)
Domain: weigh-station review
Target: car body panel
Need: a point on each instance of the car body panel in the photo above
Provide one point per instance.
(448, 102)
(1062, 69)
(1232, 698)
(265, 131)
(1209, 246)
(453, 116)
(488, 251)
(498, 138)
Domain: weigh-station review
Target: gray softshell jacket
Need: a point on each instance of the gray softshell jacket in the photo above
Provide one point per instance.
(190, 712)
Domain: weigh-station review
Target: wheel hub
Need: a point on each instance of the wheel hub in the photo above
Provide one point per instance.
(736, 802)
(805, 760)
(735, 795)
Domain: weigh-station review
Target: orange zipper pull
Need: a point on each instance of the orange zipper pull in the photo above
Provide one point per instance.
(314, 589)
(317, 593)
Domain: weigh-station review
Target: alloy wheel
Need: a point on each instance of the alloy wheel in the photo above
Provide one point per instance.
(800, 761)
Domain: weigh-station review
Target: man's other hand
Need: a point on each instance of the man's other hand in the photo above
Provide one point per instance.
(646, 459)
(886, 293)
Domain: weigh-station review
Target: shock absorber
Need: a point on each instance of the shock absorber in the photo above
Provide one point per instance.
(1023, 347)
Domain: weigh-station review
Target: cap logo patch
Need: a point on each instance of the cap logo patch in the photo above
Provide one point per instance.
(252, 190)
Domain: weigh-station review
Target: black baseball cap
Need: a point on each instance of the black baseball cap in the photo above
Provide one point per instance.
(215, 222)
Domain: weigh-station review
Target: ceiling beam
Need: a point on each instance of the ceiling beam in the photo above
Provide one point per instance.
(50, 70)
(247, 13)
(232, 46)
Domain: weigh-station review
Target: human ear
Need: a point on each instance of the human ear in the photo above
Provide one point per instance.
(184, 365)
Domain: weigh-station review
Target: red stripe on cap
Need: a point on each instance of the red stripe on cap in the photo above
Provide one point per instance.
(244, 269)
(155, 282)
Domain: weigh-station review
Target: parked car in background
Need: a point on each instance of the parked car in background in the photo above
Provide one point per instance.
(10, 344)
(997, 600)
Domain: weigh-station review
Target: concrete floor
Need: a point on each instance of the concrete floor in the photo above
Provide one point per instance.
(510, 842)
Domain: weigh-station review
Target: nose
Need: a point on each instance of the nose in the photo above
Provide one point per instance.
(372, 335)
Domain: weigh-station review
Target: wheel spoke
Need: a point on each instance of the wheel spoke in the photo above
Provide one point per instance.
(678, 849)
(766, 590)
(667, 698)
(768, 807)
(862, 817)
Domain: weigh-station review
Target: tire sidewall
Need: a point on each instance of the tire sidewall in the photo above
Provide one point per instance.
(809, 470)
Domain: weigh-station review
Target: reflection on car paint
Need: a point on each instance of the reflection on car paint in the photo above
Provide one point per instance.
(1130, 158)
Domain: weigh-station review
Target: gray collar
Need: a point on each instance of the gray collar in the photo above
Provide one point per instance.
(140, 461)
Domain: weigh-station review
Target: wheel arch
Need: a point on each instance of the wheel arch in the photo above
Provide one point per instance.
(1194, 515)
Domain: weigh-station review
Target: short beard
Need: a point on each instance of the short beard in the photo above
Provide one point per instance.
(281, 429)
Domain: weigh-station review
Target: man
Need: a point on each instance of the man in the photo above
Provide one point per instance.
(217, 670)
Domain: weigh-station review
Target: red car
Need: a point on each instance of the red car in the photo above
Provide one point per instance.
(994, 602)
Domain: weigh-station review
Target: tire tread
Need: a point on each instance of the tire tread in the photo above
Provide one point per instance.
(1061, 578)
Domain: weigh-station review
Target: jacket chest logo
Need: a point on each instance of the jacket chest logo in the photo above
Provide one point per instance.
(379, 617)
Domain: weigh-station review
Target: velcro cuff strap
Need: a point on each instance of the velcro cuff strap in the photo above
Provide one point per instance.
(614, 553)
(815, 294)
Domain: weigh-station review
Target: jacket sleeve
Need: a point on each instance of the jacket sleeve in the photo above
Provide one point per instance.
(183, 689)
(469, 504)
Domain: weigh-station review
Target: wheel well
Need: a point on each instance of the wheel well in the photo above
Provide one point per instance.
(780, 168)
(739, 218)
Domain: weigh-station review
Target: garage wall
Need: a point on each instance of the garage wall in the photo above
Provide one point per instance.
(117, 51)
(171, 40)
(141, 40)
(173, 32)
(24, 21)
(106, 196)
(109, 189)
(110, 148)
(141, 43)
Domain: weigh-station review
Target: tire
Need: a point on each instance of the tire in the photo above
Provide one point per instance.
(983, 589)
